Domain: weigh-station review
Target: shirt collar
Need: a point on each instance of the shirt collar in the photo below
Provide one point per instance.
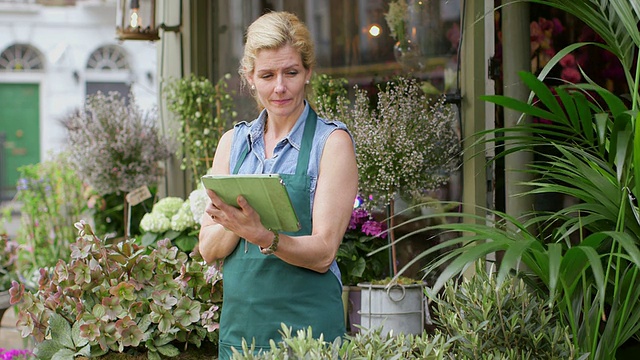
(294, 137)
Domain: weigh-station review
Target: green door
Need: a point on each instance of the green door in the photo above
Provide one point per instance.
(19, 121)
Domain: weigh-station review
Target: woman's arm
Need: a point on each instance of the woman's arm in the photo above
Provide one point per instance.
(214, 241)
(336, 190)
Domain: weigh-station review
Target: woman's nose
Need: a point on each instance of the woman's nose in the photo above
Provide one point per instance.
(280, 87)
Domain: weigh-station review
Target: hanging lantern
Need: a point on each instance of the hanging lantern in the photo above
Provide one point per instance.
(136, 20)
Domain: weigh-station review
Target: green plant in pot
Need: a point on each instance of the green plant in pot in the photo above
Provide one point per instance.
(204, 112)
(586, 259)
(122, 298)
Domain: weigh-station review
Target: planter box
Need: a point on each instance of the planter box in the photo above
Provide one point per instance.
(396, 308)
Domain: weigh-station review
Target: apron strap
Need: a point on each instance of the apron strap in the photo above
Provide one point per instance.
(305, 148)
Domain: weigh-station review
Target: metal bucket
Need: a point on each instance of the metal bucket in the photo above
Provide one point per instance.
(396, 308)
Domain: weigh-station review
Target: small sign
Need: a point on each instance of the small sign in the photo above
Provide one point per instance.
(138, 195)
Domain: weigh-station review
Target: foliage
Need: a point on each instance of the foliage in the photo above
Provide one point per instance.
(407, 144)
(114, 146)
(585, 257)
(364, 234)
(507, 319)
(328, 92)
(8, 258)
(120, 297)
(175, 219)
(369, 344)
(396, 18)
(108, 212)
(204, 112)
(50, 195)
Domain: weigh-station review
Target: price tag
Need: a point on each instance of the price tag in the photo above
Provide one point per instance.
(138, 195)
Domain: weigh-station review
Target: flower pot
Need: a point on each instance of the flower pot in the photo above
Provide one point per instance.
(396, 308)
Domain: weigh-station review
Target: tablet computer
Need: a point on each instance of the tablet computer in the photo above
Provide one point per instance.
(266, 193)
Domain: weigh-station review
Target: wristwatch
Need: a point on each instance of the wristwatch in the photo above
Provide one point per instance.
(274, 245)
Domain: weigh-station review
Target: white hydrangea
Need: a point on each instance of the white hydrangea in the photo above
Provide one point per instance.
(198, 200)
(183, 219)
(168, 206)
(155, 222)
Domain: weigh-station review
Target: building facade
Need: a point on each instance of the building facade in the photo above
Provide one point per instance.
(52, 55)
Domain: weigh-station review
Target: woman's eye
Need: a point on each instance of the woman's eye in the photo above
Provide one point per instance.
(266, 76)
(292, 73)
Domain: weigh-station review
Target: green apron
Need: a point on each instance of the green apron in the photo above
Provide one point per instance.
(261, 292)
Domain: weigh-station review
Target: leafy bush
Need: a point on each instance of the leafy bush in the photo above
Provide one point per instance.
(503, 318)
(50, 195)
(204, 111)
(479, 318)
(121, 298)
(368, 344)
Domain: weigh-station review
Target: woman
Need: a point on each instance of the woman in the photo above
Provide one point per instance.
(272, 278)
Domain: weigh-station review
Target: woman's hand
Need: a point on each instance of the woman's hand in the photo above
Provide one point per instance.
(243, 220)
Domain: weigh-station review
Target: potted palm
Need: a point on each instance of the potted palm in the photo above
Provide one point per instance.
(589, 265)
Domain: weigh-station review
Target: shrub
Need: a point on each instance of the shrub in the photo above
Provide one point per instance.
(119, 298)
(505, 319)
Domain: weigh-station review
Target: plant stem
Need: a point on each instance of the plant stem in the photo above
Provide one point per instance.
(392, 237)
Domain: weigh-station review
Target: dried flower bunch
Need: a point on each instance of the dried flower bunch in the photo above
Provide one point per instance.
(204, 112)
(114, 146)
(121, 298)
(408, 144)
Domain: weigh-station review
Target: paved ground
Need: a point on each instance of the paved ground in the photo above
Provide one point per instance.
(10, 337)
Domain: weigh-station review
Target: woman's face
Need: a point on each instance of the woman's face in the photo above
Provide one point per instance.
(279, 79)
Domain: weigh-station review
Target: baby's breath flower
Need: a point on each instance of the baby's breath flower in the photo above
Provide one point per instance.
(407, 144)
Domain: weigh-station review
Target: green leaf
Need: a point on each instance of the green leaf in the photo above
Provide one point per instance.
(86, 351)
(46, 349)
(168, 350)
(64, 354)
(148, 239)
(171, 234)
(61, 330)
(186, 243)
(78, 340)
(153, 355)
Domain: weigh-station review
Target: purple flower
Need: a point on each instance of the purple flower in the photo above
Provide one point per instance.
(374, 228)
(15, 354)
(358, 217)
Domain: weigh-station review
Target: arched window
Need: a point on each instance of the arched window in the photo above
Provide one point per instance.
(108, 70)
(21, 57)
(110, 57)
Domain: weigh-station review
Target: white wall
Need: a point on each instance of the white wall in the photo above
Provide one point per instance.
(66, 37)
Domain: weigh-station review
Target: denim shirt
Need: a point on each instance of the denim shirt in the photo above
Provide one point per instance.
(285, 153)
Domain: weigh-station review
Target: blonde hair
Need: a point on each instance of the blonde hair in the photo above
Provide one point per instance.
(272, 31)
